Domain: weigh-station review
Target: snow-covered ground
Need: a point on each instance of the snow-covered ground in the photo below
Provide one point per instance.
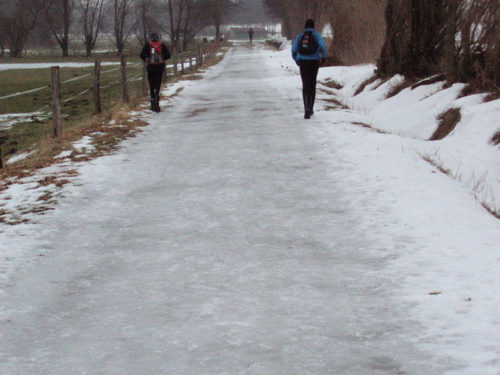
(233, 236)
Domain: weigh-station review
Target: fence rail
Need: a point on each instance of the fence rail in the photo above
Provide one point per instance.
(180, 63)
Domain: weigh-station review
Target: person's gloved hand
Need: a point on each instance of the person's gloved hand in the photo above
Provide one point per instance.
(323, 61)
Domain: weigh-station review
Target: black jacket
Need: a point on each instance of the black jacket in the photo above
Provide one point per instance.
(146, 52)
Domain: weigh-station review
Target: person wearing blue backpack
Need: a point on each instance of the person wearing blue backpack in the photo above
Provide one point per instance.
(308, 50)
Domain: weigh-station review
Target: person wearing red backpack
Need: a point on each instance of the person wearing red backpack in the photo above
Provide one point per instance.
(155, 54)
(307, 51)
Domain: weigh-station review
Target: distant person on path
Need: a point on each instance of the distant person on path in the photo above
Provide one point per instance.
(307, 51)
(250, 34)
(155, 54)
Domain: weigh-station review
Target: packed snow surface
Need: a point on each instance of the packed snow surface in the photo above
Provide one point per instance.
(232, 236)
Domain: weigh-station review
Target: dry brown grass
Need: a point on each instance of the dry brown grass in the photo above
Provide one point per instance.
(333, 104)
(396, 89)
(437, 164)
(477, 185)
(106, 132)
(495, 140)
(332, 84)
(491, 210)
(447, 123)
(365, 83)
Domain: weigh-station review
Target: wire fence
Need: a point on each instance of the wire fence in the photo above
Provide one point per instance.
(180, 64)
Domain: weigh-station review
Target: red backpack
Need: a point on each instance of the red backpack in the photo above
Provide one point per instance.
(156, 56)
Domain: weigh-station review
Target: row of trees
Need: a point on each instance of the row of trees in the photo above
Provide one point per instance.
(460, 38)
(357, 25)
(416, 38)
(180, 20)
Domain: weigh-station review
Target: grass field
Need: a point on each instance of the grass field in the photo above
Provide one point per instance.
(29, 125)
(77, 102)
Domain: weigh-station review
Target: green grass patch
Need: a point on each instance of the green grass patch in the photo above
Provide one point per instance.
(77, 101)
(33, 131)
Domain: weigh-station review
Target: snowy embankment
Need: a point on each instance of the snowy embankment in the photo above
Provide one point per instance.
(446, 253)
(468, 154)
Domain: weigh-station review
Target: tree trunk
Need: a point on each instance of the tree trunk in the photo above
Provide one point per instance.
(450, 59)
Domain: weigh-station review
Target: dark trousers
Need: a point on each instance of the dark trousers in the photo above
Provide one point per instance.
(155, 76)
(309, 73)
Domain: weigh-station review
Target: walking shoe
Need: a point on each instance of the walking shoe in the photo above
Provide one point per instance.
(307, 115)
(157, 103)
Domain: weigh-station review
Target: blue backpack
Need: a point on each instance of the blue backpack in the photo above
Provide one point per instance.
(308, 44)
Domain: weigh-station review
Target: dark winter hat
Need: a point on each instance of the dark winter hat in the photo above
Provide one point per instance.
(154, 37)
(309, 24)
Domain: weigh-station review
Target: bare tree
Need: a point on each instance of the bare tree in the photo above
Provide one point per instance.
(357, 25)
(397, 37)
(176, 10)
(426, 38)
(123, 24)
(196, 19)
(414, 39)
(472, 51)
(293, 13)
(59, 15)
(220, 11)
(286, 11)
(186, 18)
(17, 20)
(276, 10)
(358, 30)
(92, 17)
(148, 17)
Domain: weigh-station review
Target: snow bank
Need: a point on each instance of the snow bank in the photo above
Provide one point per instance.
(467, 153)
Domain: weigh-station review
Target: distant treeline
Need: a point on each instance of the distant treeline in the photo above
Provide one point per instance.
(41, 22)
(415, 38)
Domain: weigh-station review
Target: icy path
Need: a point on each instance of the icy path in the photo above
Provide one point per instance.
(222, 240)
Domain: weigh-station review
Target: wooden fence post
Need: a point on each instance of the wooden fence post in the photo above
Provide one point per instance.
(56, 100)
(123, 64)
(182, 63)
(3, 138)
(175, 61)
(97, 86)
